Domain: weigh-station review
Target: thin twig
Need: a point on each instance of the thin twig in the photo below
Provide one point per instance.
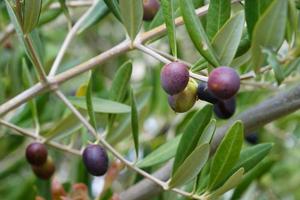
(40, 138)
(152, 53)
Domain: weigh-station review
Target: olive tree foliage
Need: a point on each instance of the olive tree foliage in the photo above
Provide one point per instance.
(80, 72)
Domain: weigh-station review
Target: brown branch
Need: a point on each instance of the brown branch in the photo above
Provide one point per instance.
(284, 103)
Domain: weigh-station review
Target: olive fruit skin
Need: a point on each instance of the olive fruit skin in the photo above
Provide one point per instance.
(174, 77)
(225, 109)
(205, 94)
(95, 160)
(44, 171)
(185, 100)
(150, 9)
(224, 82)
(36, 154)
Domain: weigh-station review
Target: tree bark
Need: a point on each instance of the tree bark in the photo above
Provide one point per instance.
(282, 104)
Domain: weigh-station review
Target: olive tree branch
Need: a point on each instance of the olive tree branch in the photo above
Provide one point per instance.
(282, 104)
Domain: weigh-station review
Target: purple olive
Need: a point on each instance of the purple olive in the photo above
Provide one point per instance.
(44, 171)
(95, 160)
(174, 77)
(185, 100)
(225, 109)
(224, 82)
(204, 94)
(36, 153)
(150, 9)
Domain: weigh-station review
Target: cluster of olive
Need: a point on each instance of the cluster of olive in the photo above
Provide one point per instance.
(223, 83)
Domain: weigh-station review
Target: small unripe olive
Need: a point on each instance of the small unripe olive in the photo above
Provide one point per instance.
(204, 94)
(174, 77)
(225, 109)
(95, 160)
(150, 9)
(186, 99)
(224, 82)
(44, 171)
(36, 153)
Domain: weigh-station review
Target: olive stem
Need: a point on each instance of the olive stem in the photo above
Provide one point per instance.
(70, 36)
(152, 53)
(34, 136)
(198, 77)
(73, 4)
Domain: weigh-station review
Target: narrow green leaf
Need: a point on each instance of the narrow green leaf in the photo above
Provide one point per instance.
(231, 183)
(161, 154)
(274, 62)
(269, 31)
(135, 124)
(292, 67)
(169, 16)
(99, 11)
(253, 10)
(227, 40)
(218, 14)
(226, 155)
(191, 166)
(191, 135)
(101, 105)
(255, 173)
(66, 11)
(208, 133)
(251, 156)
(121, 82)
(31, 14)
(196, 32)
(113, 5)
(89, 102)
(132, 16)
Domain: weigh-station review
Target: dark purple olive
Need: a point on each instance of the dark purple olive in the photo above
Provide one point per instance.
(174, 77)
(224, 82)
(44, 171)
(225, 109)
(252, 138)
(204, 94)
(36, 153)
(150, 9)
(95, 160)
(186, 99)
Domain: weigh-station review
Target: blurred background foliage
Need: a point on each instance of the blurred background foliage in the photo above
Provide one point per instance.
(158, 122)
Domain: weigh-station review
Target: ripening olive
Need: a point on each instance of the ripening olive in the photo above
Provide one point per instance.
(225, 109)
(36, 153)
(174, 77)
(204, 94)
(186, 99)
(95, 160)
(224, 82)
(150, 9)
(44, 171)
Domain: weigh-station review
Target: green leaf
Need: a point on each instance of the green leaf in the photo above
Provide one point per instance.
(161, 154)
(231, 183)
(132, 16)
(101, 105)
(97, 13)
(89, 102)
(251, 156)
(208, 133)
(169, 16)
(253, 10)
(191, 166)
(135, 124)
(227, 40)
(291, 67)
(113, 5)
(218, 14)
(31, 14)
(191, 135)
(196, 31)
(274, 62)
(66, 11)
(269, 31)
(255, 173)
(121, 82)
(226, 155)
